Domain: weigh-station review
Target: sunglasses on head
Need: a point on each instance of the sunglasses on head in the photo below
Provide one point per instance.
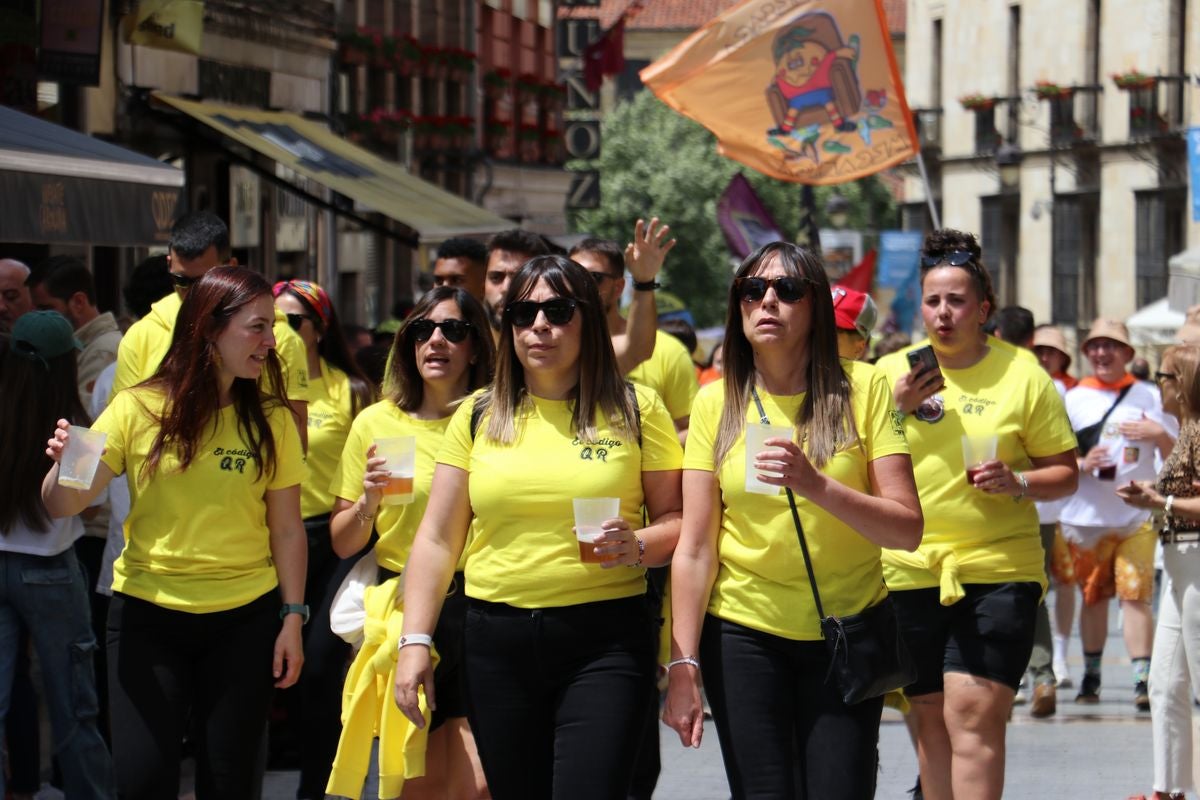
(787, 289)
(558, 311)
(454, 330)
(182, 281)
(955, 258)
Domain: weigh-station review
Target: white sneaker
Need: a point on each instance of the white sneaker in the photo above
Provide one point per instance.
(1062, 675)
(1023, 693)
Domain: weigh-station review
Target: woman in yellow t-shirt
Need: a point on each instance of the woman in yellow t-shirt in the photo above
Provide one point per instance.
(337, 391)
(742, 605)
(442, 352)
(968, 596)
(559, 645)
(197, 632)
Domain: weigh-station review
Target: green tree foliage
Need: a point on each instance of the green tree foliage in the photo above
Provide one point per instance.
(655, 162)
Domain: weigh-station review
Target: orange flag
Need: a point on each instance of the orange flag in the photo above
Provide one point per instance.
(804, 91)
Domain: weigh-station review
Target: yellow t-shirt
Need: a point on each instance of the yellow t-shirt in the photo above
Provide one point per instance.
(761, 579)
(196, 540)
(971, 536)
(523, 549)
(1023, 353)
(669, 371)
(329, 404)
(142, 349)
(396, 525)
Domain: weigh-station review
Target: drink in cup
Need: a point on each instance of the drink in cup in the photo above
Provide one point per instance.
(1108, 473)
(81, 457)
(977, 449)
(756, 435)
(400, 455)
(590, 515)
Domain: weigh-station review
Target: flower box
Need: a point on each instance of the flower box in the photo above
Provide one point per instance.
(1133, 80)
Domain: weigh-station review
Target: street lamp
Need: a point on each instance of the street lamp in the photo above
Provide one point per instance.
(1008, 162)
(837, 210)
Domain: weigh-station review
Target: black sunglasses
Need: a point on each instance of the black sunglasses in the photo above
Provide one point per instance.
(955, 258)
(1160, 377)
(455, 330)
(182, 281)
(601, 277)
(787, 289)
(296, 320)
(558, 311)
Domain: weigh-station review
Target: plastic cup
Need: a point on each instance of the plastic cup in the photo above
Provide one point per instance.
(81, 457)
(401, 455)
(756, 435)
(976, 450)
(590, 515)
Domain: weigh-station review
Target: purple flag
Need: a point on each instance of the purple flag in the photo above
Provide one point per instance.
(744, 219)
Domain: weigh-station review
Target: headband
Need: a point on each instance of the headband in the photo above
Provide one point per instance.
(313, 296)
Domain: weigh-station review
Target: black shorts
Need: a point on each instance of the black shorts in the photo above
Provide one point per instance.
(989, 633)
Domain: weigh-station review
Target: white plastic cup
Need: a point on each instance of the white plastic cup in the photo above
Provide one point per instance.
(400, 453)
(590, 515)
(756, 435)
(976, 450)
(81, 457)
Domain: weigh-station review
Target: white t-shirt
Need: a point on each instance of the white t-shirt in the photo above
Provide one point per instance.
(1096, 502)
(60, 535)
(1049, 511)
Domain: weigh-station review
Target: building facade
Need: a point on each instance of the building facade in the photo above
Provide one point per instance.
(1056, 130)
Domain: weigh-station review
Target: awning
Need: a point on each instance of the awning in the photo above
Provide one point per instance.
(63, 186)
(311, 149)
(1154, 324)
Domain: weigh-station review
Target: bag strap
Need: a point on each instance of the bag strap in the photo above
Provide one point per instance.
(812, 578)
(1117, 402)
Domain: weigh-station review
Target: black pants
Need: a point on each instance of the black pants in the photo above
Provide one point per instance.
(557, 696)
(90, 552)
(784, 732)
(167, 668)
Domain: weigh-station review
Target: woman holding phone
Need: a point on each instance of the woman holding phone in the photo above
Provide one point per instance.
(559, 652)
(441, 353)
(743, 610)
(967, 597)
(207, 595)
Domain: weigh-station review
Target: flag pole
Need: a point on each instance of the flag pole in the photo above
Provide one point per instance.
(808, 218)
(933, 212)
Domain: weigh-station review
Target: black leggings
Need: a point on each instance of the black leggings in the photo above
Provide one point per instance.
(784, 732)
(558, 696)
(173, 673)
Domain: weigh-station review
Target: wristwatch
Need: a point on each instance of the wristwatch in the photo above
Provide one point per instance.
(294, 608)
(646, 286)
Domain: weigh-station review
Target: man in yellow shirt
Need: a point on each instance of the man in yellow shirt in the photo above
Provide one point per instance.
(200, 241)
(507, 251)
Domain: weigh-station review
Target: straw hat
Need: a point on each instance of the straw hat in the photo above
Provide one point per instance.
(1052, 337)
(1109, 329)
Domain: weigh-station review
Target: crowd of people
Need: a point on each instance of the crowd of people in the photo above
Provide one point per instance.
(390, 530)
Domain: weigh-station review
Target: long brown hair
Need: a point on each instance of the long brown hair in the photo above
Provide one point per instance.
(188, 376)
(824, 420)
(33, 397)
(600, 387)
(403, 384)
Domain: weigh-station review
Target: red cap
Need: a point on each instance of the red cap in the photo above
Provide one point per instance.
(854, 311)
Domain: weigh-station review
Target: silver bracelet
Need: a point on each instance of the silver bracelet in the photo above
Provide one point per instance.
(691, 661)
(1021, 479)
(415, 638)
(641, 551)
(1167, 507)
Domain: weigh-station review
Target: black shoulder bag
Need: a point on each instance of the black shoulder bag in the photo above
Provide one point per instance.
(867, 655)
(1089, 437)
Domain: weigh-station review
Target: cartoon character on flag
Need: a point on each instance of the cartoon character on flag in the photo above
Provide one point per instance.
(816, 83)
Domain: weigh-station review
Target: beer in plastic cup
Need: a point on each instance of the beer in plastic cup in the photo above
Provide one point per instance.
(977, 448)
(756, 434)
(400, 453)
(590, 515)
(81, 457)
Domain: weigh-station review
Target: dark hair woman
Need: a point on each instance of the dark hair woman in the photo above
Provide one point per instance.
(742, 606)
(45, 588)
(442, 352)
(207, 594)
(1175, 662)
(558, 424)
(989, 435)
(337, 391)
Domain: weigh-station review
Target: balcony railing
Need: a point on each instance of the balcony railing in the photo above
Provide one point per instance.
(1157, 109)
(1074, 114)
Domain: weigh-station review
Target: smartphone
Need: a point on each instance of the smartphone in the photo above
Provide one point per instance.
(922, 359)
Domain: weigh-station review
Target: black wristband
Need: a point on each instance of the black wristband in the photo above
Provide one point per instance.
(646, 286)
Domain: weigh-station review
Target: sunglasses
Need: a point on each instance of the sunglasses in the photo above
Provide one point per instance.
(601, 277)
(1163, 377)
(296, 320)
(182, 281)
(955, 258)
(454, 330)
(787, 289)
(558, 311)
